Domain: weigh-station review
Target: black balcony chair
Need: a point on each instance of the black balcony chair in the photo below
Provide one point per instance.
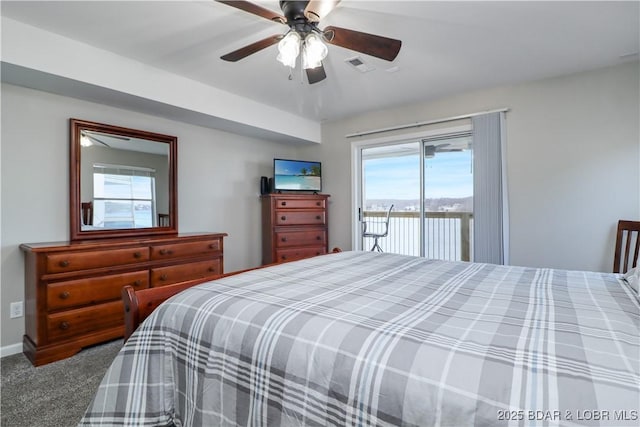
(376, 230)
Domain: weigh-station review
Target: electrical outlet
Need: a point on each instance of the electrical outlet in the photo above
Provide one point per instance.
(16, 309)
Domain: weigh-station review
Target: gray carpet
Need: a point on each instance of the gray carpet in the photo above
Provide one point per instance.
(56, 394)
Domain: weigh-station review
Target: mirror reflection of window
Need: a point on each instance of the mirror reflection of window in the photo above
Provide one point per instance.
(136, 180)
(123, 196)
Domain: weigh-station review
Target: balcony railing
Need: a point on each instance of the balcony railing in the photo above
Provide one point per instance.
(448, 235)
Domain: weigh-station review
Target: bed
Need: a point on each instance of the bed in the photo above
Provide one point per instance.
(364, 338)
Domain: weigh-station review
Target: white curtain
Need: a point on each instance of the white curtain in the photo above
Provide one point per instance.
(490, 205)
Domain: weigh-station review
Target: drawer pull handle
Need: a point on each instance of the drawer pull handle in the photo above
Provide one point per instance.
(166, 251)
(318, 217)
(318, 253)
(212, 269)
(137, 255)
(64, 295)
(137, 282)
(64, 326)
(163, 277)
(64, 263)
(318, 203)
(318, 238)
(283, 257)
(284, 218)
(284, 239)
(213, 246)
(283, 203)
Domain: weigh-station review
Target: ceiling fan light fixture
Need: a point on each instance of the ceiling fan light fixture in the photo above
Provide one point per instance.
(289, 48)
(85, 141)
(313, 52)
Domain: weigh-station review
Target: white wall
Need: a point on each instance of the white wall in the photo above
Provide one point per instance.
(573, 154)
(218, 182)
(39, 59)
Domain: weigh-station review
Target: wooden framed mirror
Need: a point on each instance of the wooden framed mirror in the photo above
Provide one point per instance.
(123, 182)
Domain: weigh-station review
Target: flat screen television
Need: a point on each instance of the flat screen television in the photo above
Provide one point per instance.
(296, 175)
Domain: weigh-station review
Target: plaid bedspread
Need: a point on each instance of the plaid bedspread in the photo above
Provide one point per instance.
(361, 338)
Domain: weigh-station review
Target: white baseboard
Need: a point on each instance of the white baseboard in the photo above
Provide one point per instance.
(12, 349)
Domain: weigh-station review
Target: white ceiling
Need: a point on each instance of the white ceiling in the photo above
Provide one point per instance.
(448, 47)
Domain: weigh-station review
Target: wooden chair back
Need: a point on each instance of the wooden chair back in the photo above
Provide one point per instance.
(163, 220)
(86, 209)
(627, 246)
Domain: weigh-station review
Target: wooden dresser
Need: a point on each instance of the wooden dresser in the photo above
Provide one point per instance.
(294, 226)
(72, 290)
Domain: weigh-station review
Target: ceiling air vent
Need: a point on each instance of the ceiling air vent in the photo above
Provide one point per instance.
(358, 63)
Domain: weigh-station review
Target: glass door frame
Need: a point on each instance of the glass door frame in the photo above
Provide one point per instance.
(357, 174)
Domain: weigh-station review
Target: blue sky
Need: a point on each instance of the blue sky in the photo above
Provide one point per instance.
(292, 167)
(447, 175)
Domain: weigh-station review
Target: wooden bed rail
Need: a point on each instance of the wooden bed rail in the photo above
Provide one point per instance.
(138, 305)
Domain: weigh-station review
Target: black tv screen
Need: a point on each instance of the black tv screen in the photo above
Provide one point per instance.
(296, 175)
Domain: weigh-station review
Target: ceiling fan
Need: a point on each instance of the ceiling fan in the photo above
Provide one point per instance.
(431, 150)
(89, 138)
(303, 18)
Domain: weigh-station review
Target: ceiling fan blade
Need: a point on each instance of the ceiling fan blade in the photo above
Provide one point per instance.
(318, 9)
(93, 138)
(110, 135)
(255, 9)
(243, 52)
(315, 75)
(370, 44)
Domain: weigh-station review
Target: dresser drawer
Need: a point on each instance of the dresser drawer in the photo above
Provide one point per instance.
(73, 289)
(180, 273)
(73, 261)
(93, 289)
(300, 218)
(81, 321)
(284, 255)
(300, 204)
(286, 239)
(180, 250)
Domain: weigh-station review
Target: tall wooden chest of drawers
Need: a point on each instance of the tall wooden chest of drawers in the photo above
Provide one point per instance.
(294, 226)
(72, 290)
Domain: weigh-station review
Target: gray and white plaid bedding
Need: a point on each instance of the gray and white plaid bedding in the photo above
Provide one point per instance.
(361, 338)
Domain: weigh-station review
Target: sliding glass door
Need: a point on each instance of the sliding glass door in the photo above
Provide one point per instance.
(448, 197)
(391, 176)
(429, 182)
